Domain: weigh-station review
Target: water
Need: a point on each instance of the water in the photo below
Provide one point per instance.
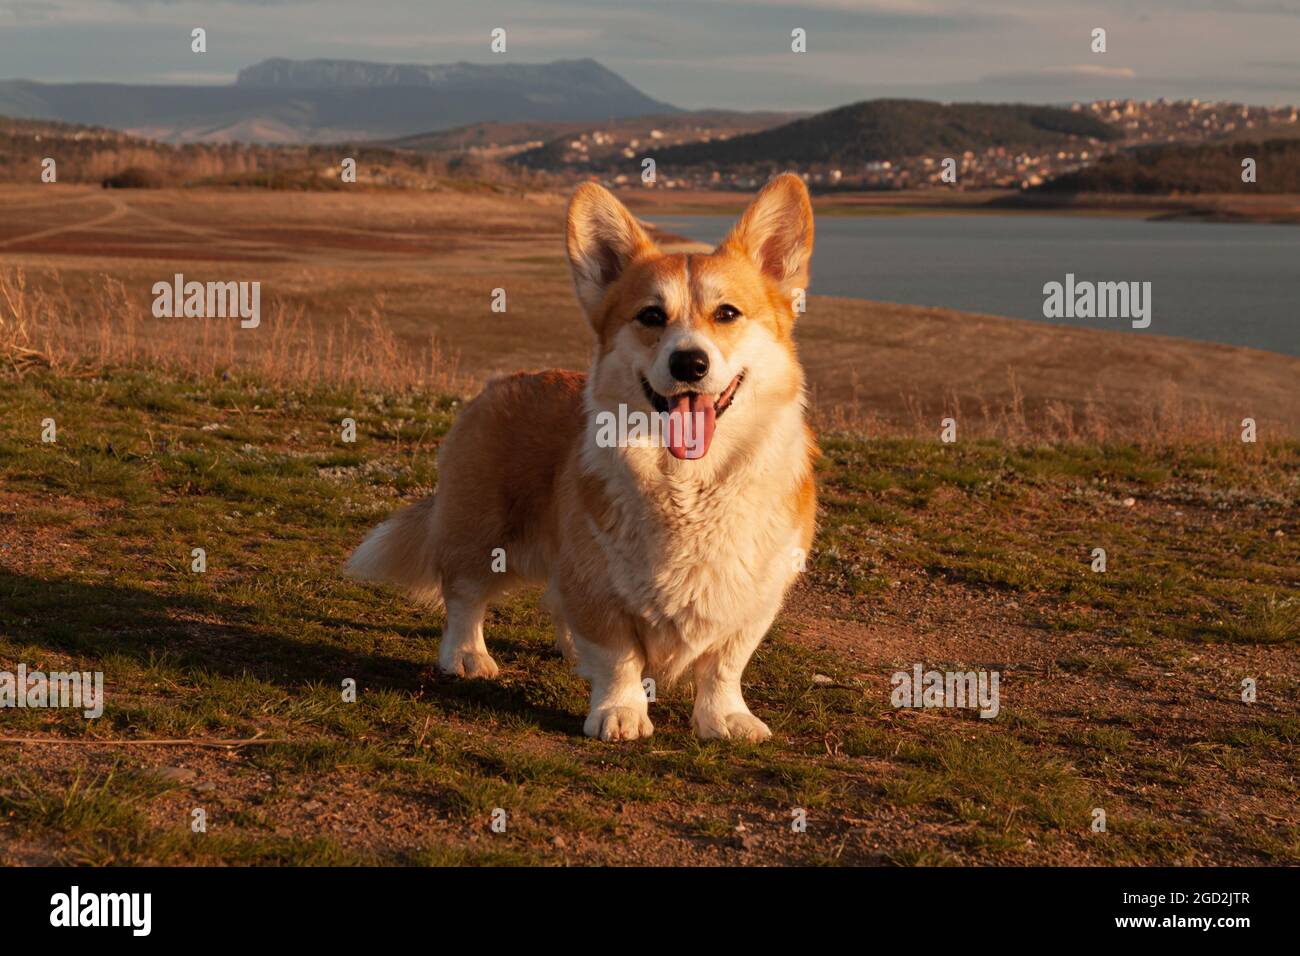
(1218, 282)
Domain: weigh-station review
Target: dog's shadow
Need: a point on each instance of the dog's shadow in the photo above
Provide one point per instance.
(202, 633)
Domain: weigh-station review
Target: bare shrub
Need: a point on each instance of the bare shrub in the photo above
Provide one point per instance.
(133, 177)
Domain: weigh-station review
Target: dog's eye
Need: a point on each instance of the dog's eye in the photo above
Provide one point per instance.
(651, 315)
(726, 313)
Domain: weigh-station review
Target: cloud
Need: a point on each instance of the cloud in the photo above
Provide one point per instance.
(196, 3)
(729, 53)
(1079, 70)
(187, 78)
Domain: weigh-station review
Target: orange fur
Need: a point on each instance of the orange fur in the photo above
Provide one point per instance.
(653, 565)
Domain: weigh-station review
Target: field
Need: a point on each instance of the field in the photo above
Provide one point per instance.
(427, 263)
(1120, 691)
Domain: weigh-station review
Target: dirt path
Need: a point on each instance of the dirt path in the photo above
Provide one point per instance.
(119, 208)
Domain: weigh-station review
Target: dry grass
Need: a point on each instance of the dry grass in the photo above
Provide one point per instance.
(44, 329)
(1171, 419)
(92, 155)
(103, 327)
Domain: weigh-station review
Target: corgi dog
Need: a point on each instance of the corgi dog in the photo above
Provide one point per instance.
(659, 558)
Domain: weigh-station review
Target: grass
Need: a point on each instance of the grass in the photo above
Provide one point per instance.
(1123, 693)
(40, 327)
(1266, 619)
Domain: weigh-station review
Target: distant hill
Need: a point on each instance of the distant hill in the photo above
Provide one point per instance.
(1261, 134)
(95, 155)
(887, 129)
(684, 123)
(288, 101)
(588, 147)
(1207, 168)
(490, 135)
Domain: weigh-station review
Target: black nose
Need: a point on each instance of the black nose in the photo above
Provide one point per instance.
(689, 365)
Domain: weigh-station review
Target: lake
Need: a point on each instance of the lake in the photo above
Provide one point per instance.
(1218, 282)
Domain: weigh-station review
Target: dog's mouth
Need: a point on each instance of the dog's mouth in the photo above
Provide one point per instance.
(692, 417)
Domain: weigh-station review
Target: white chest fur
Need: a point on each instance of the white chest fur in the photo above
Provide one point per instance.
(702, 553)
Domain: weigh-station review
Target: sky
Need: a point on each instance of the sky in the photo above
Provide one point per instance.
(703, 53)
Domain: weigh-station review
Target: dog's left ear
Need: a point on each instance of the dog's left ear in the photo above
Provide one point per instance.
(776, 232)
(603, 239)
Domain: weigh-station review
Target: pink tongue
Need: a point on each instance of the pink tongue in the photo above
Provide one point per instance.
(690, 424)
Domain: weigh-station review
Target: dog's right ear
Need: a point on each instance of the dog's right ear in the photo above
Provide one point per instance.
(603, 239)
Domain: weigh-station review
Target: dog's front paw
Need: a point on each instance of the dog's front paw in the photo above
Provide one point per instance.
(469, 663)
(618, 723)
(738, 725)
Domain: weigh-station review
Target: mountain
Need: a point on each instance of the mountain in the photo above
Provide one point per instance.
(888, 129)
(331, 100)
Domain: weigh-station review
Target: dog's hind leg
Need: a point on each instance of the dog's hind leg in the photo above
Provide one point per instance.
(563, 639)
(463, 651)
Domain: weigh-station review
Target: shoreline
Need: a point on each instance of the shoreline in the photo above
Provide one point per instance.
(1270, 208)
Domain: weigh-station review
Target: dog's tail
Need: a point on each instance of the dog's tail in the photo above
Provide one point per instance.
(402, 551)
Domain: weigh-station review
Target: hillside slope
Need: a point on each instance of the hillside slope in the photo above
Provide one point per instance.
(1176, 168)
(887, 129)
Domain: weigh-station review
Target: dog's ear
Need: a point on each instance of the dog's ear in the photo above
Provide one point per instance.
(776, 232)
(603, 239)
